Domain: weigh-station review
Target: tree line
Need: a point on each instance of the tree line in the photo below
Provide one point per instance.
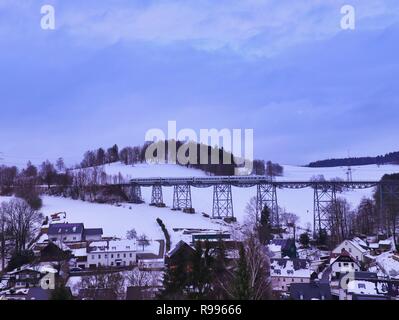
(389, 158)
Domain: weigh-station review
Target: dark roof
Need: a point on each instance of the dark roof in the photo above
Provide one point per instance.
(180, 245)
(93, 231)
(298, 263)
(369, 297)
(344, 258)
(364, 275)
(65, 228)
(97, 294)
(38, 294)
(309, 291)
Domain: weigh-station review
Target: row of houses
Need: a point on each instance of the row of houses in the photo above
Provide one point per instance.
(356, 269)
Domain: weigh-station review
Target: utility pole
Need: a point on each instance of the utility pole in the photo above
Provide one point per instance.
(349, 170)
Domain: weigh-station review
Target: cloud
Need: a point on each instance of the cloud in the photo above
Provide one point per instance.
(250, 27)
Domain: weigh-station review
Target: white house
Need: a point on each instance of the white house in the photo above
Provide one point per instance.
(356, 248)
(112, 253)
(343, 264)
(285, 272)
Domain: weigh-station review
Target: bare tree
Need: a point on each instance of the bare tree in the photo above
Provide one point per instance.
(22, 221)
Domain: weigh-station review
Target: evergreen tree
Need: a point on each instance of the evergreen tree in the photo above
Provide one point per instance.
(61, 293)
(241, 282)
(264, 229)
(220, 277)
(200, 276)
(175, 280)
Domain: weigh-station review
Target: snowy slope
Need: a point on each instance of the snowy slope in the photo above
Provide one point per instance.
(145, 171)
(117, 220)
(296, 201)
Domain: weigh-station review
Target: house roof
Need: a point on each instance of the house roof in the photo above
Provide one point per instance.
(181, 244)
(297, 263)
(344, 257)
(290, 268)
(365, 275)
(310, 291)
(93, 231)
(38, 294)
(65, 228)
(97, 294)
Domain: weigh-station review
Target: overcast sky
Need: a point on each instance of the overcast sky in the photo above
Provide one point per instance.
(113, 69)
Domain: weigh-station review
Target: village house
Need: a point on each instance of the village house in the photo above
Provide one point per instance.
(368, 286)
(285, 272)
(29, 276)
(356, 248)
(73, 232)
(182, 252)
(113, 253)
(343, 264)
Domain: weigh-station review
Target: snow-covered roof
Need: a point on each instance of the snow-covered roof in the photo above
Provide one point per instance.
(289, 268)
(385, 242)
(360, 242)
(388, 264)
(42, 268)
(365, 287)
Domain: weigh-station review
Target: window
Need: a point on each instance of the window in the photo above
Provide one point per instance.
(131, 255)
(301, 280)
(99, 256)
(361, 286)
(106, 256)
(118, 255)
(124, 255)
(112, 255)
(346, 264)
(339, 264)
(92, 256)
(350, 249)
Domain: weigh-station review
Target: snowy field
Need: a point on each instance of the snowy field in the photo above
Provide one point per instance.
(117, 220)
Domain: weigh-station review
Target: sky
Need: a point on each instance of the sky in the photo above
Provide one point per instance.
(111, 70)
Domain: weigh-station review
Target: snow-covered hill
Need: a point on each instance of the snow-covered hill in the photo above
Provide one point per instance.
(117, 220)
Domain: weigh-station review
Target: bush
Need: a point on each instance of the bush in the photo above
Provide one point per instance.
(19, 259)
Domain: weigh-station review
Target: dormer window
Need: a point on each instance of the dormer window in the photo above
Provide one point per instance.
(361, 286)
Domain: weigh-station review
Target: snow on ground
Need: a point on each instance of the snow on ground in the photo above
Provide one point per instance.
(117, 220)
(145, 171)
